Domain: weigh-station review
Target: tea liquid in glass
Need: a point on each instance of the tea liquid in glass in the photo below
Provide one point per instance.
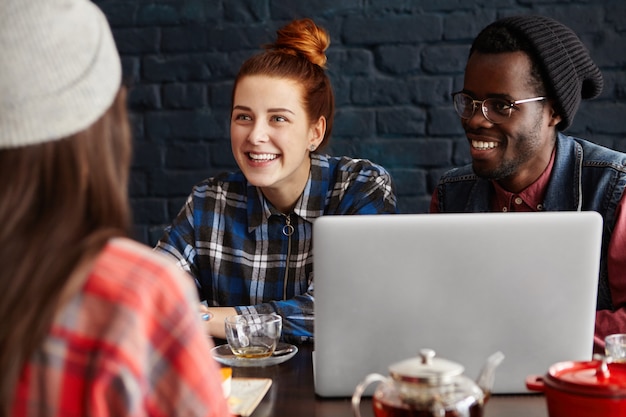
(382, 409)
(253, 352)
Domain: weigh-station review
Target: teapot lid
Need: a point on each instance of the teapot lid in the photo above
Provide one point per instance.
(426, 369)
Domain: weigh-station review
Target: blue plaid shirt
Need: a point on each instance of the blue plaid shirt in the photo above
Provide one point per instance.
(238, 247)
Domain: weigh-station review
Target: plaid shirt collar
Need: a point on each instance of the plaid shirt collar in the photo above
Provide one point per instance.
(260, 209)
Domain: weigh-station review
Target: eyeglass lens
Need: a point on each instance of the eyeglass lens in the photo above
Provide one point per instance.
(494, 109)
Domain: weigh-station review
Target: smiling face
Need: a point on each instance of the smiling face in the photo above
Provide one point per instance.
(515, 152)
(271, 137)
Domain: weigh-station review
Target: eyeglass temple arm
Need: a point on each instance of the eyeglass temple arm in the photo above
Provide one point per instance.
(528, 100)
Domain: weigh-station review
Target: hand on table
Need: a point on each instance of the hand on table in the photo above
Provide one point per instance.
(214, 326)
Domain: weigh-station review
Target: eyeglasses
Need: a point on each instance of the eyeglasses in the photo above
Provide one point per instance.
(496, 110)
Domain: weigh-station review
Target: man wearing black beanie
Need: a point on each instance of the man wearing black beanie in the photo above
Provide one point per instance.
(524, 80)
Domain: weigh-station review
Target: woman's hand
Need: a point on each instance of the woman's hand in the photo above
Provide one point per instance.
(214, 324)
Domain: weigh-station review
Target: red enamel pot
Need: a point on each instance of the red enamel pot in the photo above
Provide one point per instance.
(590, 388)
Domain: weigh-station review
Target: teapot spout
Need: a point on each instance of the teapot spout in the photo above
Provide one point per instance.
(487, 375)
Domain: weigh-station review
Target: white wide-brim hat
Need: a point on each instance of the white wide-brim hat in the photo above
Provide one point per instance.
(59, 69)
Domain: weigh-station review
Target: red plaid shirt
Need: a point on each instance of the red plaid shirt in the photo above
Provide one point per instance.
(129, 344)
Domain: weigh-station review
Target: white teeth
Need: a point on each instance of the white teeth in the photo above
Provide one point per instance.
(479, 144)
(262, 156)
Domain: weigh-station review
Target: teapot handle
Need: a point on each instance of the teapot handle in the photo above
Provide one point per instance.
(356, 397)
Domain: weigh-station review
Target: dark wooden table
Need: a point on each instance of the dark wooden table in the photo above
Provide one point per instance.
(293, 394)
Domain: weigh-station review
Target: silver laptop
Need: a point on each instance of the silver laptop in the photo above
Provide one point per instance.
(465, 285)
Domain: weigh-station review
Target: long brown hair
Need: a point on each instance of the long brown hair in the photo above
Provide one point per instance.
(299, 54)
(60, 202)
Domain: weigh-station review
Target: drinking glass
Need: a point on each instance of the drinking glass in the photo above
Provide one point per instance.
(615, 347)
(253, 336)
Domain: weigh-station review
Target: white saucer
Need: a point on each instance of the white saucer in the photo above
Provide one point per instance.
(225, 356)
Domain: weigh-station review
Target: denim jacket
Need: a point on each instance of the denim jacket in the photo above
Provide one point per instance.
(585, 177)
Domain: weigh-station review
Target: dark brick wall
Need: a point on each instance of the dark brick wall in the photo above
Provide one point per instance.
(393, 64)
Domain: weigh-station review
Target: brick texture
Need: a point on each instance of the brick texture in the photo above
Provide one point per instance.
(393, 64)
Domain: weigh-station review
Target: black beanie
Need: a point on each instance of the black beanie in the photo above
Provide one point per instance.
(568, 69)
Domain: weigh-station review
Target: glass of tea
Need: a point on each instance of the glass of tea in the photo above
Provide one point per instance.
(253, 336)
(615, 347)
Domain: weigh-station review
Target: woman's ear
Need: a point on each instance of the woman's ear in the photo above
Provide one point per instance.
(318, 130)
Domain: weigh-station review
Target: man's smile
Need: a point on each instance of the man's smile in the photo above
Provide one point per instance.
(483, 145)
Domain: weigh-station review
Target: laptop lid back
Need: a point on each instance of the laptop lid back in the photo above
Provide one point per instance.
(465, 285)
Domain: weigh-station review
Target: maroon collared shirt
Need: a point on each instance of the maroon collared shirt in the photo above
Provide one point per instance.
(529, 199)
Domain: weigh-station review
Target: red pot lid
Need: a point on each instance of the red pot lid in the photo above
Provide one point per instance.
(589, 378)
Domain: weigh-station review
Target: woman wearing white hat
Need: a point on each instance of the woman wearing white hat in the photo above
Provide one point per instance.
(86, 329)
